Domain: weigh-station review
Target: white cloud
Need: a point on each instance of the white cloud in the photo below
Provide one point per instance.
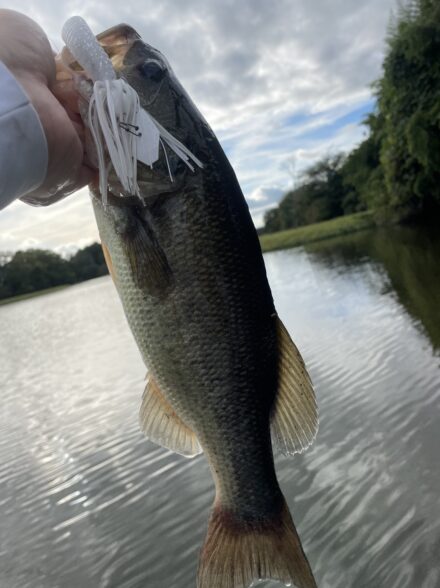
(266, 195)
(249, 66)
(65, 224)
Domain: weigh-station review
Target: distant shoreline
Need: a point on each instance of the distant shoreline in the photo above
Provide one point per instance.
(20, 297)
(335, 227)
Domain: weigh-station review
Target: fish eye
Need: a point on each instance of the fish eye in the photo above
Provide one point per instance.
(152, 71)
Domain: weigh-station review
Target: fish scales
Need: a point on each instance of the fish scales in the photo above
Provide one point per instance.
(222, 368)
(210, 339)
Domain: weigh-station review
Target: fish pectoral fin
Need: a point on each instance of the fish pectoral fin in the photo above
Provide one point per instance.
(148, 261)
(160, 423)
(294, 420)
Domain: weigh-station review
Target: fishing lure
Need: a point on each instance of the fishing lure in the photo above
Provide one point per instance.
(123, 131)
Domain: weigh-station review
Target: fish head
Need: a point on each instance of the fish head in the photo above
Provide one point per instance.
(163, 97)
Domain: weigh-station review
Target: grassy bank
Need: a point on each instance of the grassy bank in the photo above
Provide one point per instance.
(317, 232)
(32, 294)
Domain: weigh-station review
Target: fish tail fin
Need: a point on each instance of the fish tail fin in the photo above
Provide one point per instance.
(237, 553)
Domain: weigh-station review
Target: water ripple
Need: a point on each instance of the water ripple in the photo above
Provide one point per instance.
(87, 501)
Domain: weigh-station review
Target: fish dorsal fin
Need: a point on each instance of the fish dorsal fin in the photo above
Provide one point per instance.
(295, 413)
(160, 423)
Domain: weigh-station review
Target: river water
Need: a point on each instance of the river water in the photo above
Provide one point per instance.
(87, 502)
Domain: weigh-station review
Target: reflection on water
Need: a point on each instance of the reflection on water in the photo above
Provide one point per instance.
(409, 260)
(86, 501)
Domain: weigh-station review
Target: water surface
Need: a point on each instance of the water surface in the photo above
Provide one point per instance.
(86, 501)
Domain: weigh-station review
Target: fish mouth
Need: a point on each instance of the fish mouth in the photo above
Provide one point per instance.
(117, 42)
(120, 34)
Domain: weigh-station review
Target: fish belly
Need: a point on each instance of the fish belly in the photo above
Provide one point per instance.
(210, 338)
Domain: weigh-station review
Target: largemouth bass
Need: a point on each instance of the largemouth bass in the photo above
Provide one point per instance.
(222, 369)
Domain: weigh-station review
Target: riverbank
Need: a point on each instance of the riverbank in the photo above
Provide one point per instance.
(282, 240)
(32, 294)
(317, 232)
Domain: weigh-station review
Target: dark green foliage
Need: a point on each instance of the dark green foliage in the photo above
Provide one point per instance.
(408, 100)
(321, 195)
(89, 263)
(362, 172)
(396, 170)
(37, 269)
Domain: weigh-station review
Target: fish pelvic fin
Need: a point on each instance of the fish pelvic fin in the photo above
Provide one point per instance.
(160, 423)
(294, 419)
(237, 553)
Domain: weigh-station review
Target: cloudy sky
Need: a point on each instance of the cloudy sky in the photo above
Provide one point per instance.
(282, 83)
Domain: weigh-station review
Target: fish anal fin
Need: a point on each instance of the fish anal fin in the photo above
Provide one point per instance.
(238, 552)
(295, 413)
(160, 423)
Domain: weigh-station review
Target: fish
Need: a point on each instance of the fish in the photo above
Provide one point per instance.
(224, 376)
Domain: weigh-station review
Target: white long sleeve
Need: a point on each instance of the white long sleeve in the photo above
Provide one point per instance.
(23, 145)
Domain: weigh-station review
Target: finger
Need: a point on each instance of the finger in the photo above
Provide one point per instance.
(89, 161)
(76, 118)
(79, 128)
(65, 92)
(87, 175)
(84, 177)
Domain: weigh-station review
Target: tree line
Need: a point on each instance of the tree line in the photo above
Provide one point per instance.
(395, 171)
(37, 269)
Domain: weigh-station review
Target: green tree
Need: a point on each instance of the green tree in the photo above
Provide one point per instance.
(362, 171)
(35, 269)
(89, 263)
(396, 170)
(320, 195)
(272, 222)
(408, 102)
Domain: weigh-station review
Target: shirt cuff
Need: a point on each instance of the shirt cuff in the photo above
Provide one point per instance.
(23, 145)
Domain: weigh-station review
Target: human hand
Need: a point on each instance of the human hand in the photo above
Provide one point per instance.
(26, 52)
